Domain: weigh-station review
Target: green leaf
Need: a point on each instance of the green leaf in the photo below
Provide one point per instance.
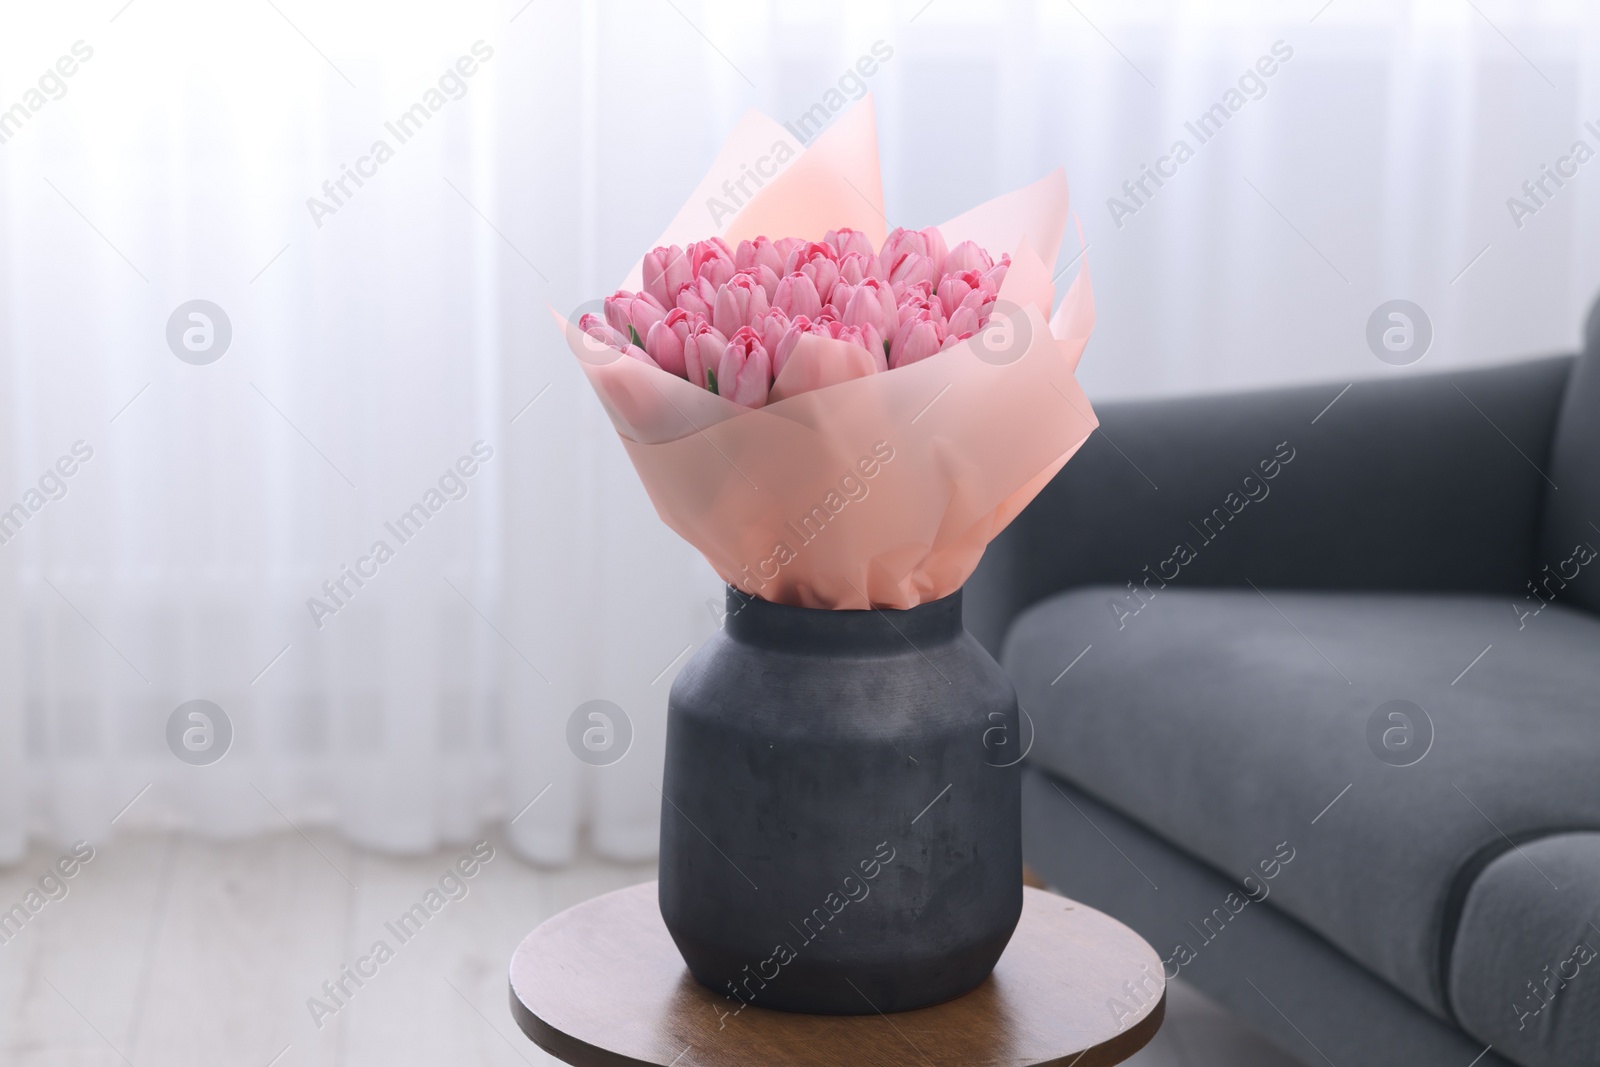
(711, 381)
(885, 349)
(633, 335)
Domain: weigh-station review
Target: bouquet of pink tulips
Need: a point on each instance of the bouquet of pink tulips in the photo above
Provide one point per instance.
(730, 320)
(842, 416)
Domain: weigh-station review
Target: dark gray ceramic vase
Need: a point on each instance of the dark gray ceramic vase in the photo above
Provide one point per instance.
(841, 826)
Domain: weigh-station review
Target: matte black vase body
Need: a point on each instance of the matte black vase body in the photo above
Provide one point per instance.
(841, 831)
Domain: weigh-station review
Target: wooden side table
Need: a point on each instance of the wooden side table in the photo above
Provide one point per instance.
(602, 985)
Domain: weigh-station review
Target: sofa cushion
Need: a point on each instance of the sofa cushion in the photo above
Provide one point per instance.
(1240, 950)
(1230, 721)
(1572, 495)
(1525, 969)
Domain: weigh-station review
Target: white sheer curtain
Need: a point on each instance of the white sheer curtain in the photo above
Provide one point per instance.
(379, 337)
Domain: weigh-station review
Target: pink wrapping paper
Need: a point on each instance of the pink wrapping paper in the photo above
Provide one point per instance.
(880, 491)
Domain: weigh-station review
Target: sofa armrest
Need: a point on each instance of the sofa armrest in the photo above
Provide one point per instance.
(1524, 969)
(1426, 483)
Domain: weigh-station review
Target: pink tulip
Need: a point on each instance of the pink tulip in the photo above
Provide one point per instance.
(698, 297)
(739, 303)
(717, 271)
(981, 301)
(868, 337)
(964, 322)
(665, 340)
(995, 276)
(640, 311)
(845, 241)
(798, 328)
(600, 336)
(839, 299)
(854, 267)
(797, 296)
(771, 326)
(744, 374)
(918, 338)
(953, 289)
(786, 247)
(711, 259)
(819, 263)
(871, 303)
(917, 299)
(967, 256)
(768, 279)
(913, 269)
(666, 270)
(702, 351)
(901, 243)
(759, 253)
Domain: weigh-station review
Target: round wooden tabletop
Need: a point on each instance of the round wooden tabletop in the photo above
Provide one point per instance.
(602, 984)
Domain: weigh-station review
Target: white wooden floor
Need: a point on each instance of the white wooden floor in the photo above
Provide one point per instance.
(171, 951)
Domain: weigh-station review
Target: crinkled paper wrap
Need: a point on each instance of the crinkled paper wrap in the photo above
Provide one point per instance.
(881, 491)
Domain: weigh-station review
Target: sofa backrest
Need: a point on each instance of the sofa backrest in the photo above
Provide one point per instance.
(1570, 538)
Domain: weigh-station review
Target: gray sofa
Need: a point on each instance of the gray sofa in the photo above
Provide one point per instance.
(1209, 615)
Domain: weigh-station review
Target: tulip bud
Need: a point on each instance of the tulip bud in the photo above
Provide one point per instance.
(819, 263)
(666, 270)
(854, 267)
(967, 256)
(933, 242)
(871, 303)
(797, 296)
(798, 328)
(953, 289)
(964, 322)
(786, 247)
(744, 373)
(847, 241)
(635, 311)
(902, 243)
(771, 327)
(665, 340)
(702, 351)
(768, 279)
(600, 334)
(698, 297)
(918, 338)
(711, 259)
(739, 303)
(759, 253)
(995, 276)
(868, 337)
(914, 268)
(917, 299)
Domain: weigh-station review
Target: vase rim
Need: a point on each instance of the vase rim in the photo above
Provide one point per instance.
(825, 631)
